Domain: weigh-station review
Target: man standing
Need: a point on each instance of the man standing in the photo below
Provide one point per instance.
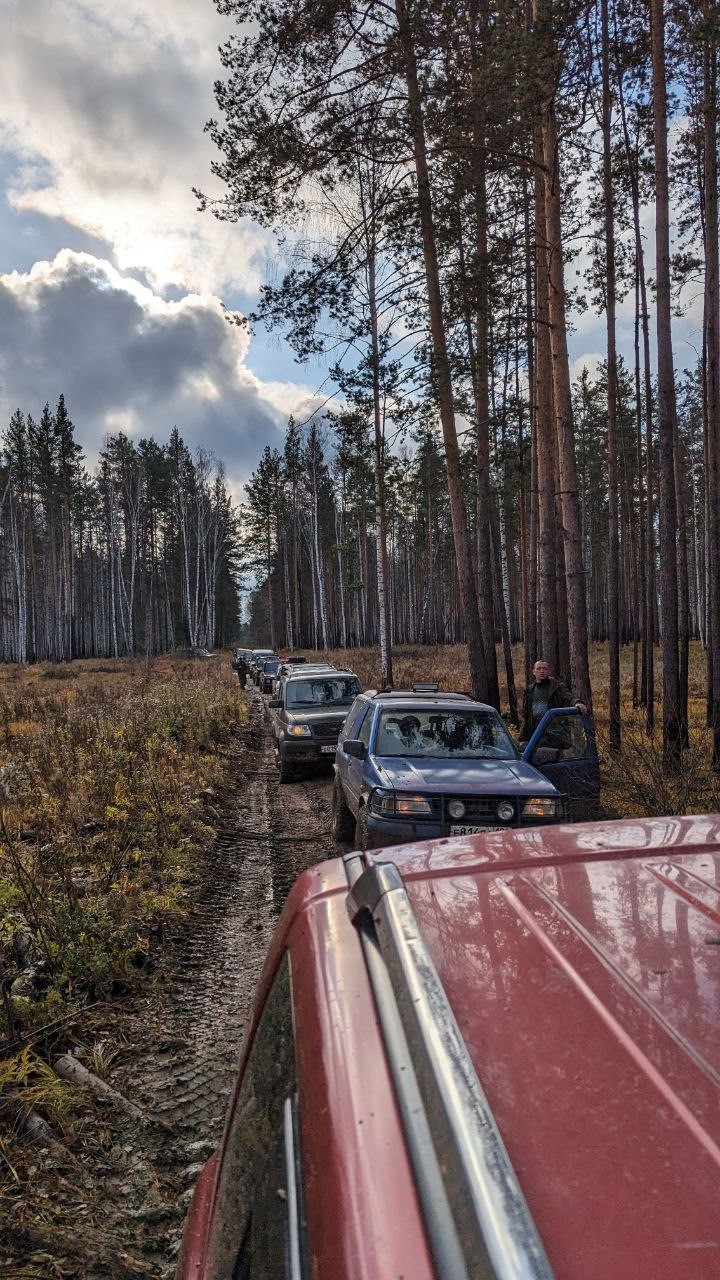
(542, 695)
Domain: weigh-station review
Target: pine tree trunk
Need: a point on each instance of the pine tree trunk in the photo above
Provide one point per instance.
(572, 528)
(612, 392)
(673, 732)
(441, 365)
(712, 382)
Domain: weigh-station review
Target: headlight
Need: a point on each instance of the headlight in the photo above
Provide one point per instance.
(456, 808)
(505, 811)
(383, 802)
(406, 805)
(394, 805)
(299, 730)
(539, 807)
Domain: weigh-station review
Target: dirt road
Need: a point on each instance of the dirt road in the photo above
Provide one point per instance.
(177, 1047)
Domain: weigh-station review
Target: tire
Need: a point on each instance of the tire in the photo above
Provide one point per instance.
(343, 823)
(361, 831)
(287, 770)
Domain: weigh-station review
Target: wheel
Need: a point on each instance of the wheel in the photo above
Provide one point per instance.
(361, 831)
(287, 770)
(343, 826)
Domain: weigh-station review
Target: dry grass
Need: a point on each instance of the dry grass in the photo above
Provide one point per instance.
(633, 784)
(101, 821)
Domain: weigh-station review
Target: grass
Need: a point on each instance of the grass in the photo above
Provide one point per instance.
(634, 783)
(101, 821)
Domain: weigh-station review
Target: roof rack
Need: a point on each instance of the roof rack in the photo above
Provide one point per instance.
(418, 691)
(477, 1219)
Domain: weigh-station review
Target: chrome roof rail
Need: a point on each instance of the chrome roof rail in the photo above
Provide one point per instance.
(478, 1222)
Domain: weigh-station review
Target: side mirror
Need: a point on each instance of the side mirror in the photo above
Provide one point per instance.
(354, 747)
(545, 755)
(275, 704)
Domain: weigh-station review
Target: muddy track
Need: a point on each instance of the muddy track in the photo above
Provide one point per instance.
(186, 1035)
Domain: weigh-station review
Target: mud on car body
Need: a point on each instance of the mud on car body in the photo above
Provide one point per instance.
(500, 1046)
(417, 765)
(308, 715)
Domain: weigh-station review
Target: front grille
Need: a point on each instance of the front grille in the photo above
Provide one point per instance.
(477, 809)
(328, 730)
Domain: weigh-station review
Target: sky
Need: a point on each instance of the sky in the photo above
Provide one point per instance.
(113, 287)
(112, 284)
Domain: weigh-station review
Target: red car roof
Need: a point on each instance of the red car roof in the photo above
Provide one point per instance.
(583, 967)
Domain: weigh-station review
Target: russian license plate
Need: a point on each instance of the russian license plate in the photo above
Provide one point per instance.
(469, 831)
(327, 750)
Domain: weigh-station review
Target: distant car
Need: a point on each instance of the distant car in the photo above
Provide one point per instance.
(491, 1056)
(254, 657)
(417, 765)
(196, 651)
(308, 716)
(267, 670)
(287, 668)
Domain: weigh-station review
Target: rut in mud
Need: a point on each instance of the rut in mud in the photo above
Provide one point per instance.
(268, 834)
(179, 1044)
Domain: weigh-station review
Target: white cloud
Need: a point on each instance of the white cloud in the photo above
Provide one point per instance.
(103, 106)
(127, 359)
(589, 360)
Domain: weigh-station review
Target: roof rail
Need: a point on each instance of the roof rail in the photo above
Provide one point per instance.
(425, 686)
(476, 1216)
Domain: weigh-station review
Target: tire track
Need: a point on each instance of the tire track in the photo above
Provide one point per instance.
(188, 1032)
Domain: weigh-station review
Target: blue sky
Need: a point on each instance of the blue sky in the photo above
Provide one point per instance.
(111, 283)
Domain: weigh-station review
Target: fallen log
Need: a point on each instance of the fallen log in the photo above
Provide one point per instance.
(68, 1068)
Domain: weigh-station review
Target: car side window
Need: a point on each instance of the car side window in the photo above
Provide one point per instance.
(251, 1223)
(365, 729)
(353, 717)
(565, 735)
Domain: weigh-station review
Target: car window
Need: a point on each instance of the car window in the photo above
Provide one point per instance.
(564, 734)
(322, 691)
(365, 728)
(353, 718)
(464, 735)
(249, 1238)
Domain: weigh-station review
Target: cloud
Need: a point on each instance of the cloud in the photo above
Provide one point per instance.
(103, 108)
(129, 360)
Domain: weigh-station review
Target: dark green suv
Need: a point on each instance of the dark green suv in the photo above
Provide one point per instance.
(308, 716)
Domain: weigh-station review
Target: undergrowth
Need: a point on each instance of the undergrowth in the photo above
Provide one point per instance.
(101, 828)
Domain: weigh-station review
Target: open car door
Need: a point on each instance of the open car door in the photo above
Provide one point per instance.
(563, 749)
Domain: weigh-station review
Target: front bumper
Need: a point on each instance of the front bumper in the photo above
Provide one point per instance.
(389, 831)
(308, 750)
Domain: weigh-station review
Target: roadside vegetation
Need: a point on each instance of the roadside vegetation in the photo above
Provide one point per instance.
(102, 828)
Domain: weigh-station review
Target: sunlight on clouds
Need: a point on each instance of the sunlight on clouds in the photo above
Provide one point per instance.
(103, 109)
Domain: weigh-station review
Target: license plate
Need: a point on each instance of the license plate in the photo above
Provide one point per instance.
(469, 831)
(327, 750)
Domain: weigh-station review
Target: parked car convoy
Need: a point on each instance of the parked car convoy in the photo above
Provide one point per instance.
(419, 764)
(509, 1068)
(309, 712)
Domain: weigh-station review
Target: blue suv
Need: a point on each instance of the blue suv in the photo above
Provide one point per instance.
(421, 764)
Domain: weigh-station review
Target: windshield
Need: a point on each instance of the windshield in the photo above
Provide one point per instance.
(323, 691)
(459, 735)
(270, 667)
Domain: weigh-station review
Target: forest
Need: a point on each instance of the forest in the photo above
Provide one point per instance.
(137, 558)
(452, 187)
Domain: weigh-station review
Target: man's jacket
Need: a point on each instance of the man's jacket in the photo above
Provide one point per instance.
(558, 696)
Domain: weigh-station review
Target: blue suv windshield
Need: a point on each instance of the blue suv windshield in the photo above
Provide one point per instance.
(458, 735)
(324, 691)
